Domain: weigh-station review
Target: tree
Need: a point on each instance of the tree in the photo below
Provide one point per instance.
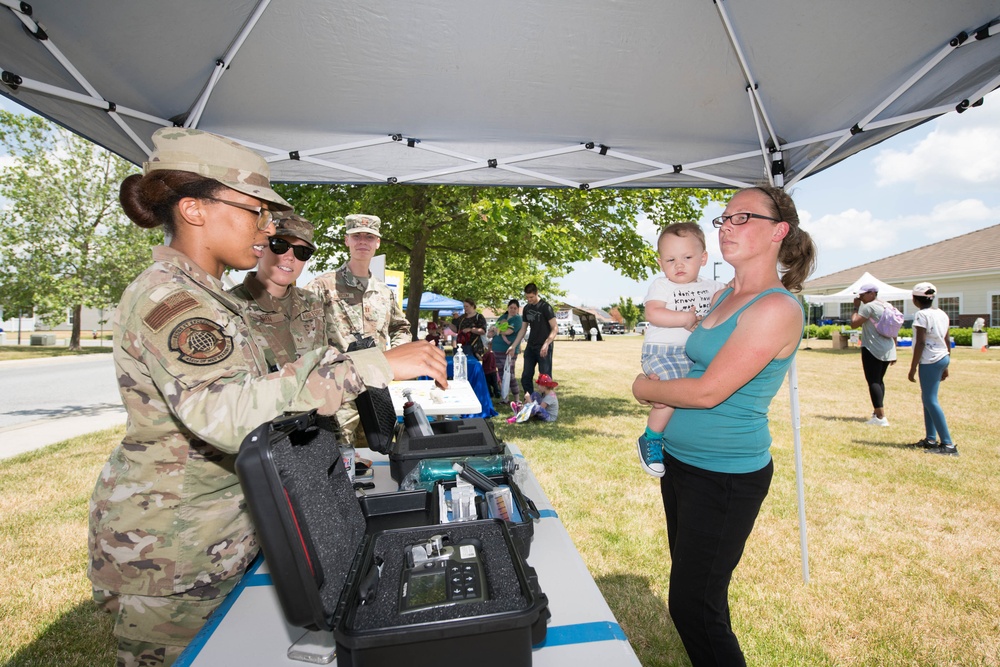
(486, 243)
(629, 311)
(67, 244)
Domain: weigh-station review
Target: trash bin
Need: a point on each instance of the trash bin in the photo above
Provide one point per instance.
(839, 340)
(979, 340)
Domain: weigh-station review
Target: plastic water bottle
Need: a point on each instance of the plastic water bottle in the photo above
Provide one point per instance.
(461, 365)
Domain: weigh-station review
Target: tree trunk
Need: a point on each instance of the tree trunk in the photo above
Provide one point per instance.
(415, 288)
(74, 339)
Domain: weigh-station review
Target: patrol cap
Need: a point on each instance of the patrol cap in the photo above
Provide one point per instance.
(212, 156)
(358, 223)
(296, 226)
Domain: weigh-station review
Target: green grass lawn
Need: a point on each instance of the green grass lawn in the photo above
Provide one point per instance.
(904, 546)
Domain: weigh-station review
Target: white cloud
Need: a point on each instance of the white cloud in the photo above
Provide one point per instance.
(963, 151)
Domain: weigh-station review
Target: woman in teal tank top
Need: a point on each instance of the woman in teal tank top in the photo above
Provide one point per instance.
(716, 446)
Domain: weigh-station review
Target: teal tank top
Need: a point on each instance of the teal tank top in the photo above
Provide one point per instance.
(732, 437)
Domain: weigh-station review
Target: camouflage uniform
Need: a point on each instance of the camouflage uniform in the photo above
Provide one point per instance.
(353, 309)
(289, 326)
(169, 534)
(285, 328)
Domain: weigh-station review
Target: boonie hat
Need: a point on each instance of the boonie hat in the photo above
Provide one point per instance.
(924, 289)
(212, 156)
(296, 226)
(868, 287)
(546, 380)
(358, 223)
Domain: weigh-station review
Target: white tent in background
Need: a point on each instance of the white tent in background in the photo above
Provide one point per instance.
(886, 292)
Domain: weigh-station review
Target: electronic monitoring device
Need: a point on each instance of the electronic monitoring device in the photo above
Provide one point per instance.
(438, 576)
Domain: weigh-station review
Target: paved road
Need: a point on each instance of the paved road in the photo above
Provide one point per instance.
(43, 401)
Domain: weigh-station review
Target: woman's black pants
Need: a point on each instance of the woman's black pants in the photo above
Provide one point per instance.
(875, 370)
(709, 518)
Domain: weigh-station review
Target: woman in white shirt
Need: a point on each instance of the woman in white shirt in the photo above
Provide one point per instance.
(931, 356)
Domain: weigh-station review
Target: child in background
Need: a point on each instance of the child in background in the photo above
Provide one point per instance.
(675, 303)
(433, 335)
(491, 372)
(544, 405)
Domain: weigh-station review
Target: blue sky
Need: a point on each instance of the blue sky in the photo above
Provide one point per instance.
(937, 181)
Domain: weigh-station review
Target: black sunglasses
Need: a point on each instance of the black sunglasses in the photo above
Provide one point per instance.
(280, 246)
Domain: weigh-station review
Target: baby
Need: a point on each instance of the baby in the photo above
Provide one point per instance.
(674, 304)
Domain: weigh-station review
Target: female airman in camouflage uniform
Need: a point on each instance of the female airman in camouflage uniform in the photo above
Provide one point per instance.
(289, 321)
(169, 533)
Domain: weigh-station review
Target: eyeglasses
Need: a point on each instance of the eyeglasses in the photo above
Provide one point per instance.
(280, 246)
(264, 216)
(739, 219)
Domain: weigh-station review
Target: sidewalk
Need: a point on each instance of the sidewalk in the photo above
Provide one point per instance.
(28, 436)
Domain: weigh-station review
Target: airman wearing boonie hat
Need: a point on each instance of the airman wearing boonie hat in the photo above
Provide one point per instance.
(288, 320)
(360, 309)
(358, 224)
(169, 534)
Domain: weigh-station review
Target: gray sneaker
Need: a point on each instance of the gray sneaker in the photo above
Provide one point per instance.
(651, 455)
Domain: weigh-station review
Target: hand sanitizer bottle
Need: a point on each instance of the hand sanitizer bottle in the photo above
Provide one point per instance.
(461, 368)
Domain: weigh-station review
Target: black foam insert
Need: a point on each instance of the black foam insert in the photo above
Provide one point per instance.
(502, 580)
(314, 476)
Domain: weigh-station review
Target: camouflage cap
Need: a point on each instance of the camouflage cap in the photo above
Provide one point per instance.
(296, 226)
(359, 223)
(212, 156)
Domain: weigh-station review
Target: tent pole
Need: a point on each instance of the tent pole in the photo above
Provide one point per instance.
(793, 390)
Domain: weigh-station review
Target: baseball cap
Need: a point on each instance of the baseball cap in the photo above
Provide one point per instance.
(209, 155)
(868, 287)
(359, 223)
(296, 226)
(546, 380)
(924, 289)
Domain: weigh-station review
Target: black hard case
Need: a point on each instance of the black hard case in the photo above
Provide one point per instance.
(452, 438)
(320, 549)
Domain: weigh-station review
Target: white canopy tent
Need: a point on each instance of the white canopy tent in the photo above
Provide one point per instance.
(583, 94)
(886, 292)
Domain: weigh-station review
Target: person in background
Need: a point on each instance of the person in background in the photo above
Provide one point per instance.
(674, 304)
(471, 326)
(504, 332)
(361, 310)
(931, 358)
(490, 370)
(288, 321)
(169, 535)
(543, 406)
(717, 461)
(877, 351)
(539, 316)
(433, 335)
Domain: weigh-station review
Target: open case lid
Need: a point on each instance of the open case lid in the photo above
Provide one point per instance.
(309, 523)
(378, 418)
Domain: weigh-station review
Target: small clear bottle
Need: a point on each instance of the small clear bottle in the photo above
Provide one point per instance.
(461, 365)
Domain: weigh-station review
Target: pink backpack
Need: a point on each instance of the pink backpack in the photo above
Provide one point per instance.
(890, 322)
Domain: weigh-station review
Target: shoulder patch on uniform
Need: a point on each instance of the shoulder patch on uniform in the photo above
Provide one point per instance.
(200, 341)
(174, 305)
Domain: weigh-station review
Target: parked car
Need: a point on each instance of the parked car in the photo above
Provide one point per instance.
(641, 327)
(614, 328)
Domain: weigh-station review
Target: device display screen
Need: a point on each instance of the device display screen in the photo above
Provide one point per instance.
(427, 589)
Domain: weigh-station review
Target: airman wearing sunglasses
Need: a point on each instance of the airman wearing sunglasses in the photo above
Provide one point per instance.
(289, 320)
(361, 310)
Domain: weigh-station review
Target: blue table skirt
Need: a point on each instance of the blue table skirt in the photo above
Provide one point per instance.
(478, 381)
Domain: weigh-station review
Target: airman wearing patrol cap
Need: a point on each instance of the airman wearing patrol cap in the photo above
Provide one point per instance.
(288, 320)
(169, 533)
(360, 309)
